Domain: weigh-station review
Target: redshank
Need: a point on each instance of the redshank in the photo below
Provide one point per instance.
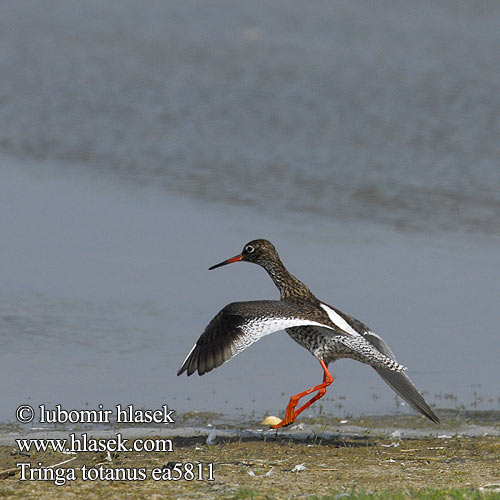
(325, 331)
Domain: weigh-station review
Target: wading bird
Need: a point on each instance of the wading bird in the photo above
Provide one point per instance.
(325, 331)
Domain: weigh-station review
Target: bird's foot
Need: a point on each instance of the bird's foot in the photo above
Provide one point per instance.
(291, 413)
(283, 423)
(290, 417)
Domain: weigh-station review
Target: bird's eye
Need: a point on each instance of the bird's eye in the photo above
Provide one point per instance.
(249, 249)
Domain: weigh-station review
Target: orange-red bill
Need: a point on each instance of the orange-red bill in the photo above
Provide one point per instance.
(236, 258)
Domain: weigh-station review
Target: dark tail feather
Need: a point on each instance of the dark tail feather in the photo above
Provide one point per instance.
(404, 387)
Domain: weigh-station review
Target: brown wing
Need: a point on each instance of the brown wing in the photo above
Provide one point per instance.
(236, 327)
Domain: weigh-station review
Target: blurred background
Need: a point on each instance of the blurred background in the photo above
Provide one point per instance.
(142, 142)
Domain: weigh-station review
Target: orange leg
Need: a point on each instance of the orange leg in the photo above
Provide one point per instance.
(291, 413)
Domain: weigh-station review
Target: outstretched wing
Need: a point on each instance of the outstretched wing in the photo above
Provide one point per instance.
(397, 380)
(236, 327)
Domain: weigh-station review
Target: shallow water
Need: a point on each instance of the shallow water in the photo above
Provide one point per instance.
(382, 112)
(105, 288)
(141, 144)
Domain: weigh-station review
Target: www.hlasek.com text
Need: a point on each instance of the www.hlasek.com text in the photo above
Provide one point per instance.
(83, 443)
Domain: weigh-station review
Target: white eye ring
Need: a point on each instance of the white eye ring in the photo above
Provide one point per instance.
(249, 249)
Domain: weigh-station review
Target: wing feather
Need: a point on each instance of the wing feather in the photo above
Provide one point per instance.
(398, 381)
(236, 327)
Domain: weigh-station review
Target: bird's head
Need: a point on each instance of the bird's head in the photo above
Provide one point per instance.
(259, 252)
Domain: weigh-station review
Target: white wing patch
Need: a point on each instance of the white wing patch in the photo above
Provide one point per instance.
(338, 320)
(257, 328)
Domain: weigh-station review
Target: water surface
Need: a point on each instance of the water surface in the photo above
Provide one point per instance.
(142, 142)
(105, 289)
